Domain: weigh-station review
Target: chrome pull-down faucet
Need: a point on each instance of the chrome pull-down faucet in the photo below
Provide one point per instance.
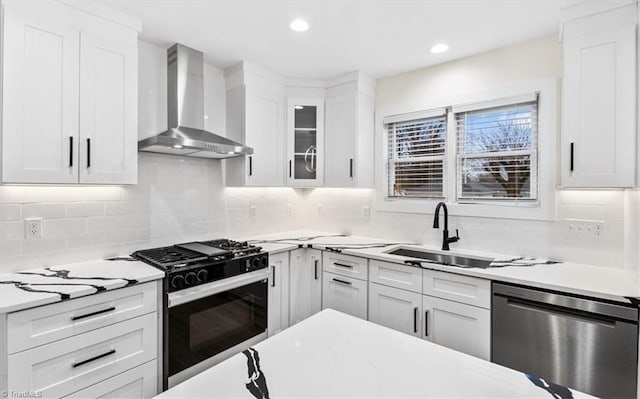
(445, 233)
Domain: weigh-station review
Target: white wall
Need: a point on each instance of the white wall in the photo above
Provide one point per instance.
(176, 198)
(435, 86)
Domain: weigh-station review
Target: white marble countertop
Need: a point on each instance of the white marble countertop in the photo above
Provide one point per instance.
(37, 287)
(333, 355)
(600, 282)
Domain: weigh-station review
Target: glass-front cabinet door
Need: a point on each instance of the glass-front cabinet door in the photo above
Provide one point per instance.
(305, 144)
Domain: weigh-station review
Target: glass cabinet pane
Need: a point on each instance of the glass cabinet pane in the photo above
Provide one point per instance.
(305, 117)
(305, 141)
(305, 167)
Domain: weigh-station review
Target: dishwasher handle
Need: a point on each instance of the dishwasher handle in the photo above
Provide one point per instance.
(559, 301)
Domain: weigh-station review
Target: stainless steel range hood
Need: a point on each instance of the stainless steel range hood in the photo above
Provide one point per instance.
(185, 102)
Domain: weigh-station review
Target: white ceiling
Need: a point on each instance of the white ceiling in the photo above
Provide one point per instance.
(382, 37)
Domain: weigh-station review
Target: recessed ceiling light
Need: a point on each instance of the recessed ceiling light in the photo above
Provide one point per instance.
(298, 107)
(178, 146)
(439, 48)
(299, 25)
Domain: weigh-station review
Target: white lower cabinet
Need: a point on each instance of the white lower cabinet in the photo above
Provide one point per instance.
(345, 294)
(464, 328)
(305, 282)
(139, 383)
(394, 308)
(278, 318)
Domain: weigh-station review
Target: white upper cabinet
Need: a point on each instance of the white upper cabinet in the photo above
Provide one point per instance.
(349, 134)
(69, 95)
(599, 100)
(108, 110)
(40, 95)
(305, 142)
(255, 117)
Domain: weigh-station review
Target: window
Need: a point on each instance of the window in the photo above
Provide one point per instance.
(497, 150)
(416, 154)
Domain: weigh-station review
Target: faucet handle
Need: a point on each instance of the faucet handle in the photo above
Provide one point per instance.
(457, 234)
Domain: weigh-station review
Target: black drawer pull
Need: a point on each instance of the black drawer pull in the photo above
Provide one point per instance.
(289, 168)
(351, 168)
(111, 352)
(70, 151)
(571, 159)
(337, 280)
(343, 265)
(250, 166)
(315, 269)
(273, 282)
(415, 319)
(426, 323)
(88, 153)
(84, 316)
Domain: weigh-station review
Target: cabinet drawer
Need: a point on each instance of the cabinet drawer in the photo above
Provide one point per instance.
(140, 383)
(394, 275)
(345, 294)
(67, 366)
(345, 265)
(463, 289)
(38, 326)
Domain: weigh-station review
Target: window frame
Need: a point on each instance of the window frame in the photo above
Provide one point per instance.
(391, 159)
(548, 130)
(532, 152)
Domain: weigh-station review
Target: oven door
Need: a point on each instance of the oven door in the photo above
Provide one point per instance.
(209, 323)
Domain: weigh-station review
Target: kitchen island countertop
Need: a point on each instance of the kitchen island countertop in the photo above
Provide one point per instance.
(333, 355)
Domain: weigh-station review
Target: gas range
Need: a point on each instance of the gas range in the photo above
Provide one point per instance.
(200, 262)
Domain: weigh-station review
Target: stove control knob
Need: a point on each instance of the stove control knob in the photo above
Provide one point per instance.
(177, 282)
(254, 263)
(202, 276)
(264, 261)
(190, 278)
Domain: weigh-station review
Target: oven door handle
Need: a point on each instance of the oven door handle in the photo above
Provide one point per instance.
(216, 287)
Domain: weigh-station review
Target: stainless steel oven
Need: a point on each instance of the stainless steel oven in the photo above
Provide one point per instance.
(208, 323)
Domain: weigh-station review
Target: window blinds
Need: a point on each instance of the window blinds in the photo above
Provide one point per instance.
(416, 153)
(497, 150)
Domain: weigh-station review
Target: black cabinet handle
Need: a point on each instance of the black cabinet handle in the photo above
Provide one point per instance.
(343, 265)
(426, 323)
(351, 168)
(415, 319)
(315, 269)
(250, 166)
(273, 282)
(289, 168)
(337, 280)
(88, 153)
(571, 158)
(84, 316)
(111, 352)
(70, 151)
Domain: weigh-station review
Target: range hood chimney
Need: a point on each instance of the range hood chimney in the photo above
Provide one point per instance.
(185, 105)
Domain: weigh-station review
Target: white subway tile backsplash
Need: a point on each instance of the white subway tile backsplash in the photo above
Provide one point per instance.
(80, 209)
(57, 227)
(11, 230)
(10, 212)
(104, 223)
(120, 208)
(45, 211)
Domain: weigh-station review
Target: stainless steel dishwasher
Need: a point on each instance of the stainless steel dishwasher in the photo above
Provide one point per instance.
(581, 343)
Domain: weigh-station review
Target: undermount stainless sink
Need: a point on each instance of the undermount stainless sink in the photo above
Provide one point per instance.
(443, 259)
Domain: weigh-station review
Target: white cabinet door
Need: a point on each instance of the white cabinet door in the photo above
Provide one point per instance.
(340, 140)
(305, 142)
(40, 95)
(278, 293)
(345, 294)
(263, 132)
(599, 112)
(397, 309)
(305, 284)
(108, 110)
(457, 326)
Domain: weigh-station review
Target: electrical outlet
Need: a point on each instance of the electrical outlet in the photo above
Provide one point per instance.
(252, 211)
(32, 228)
(585, 228)
(365, 212)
